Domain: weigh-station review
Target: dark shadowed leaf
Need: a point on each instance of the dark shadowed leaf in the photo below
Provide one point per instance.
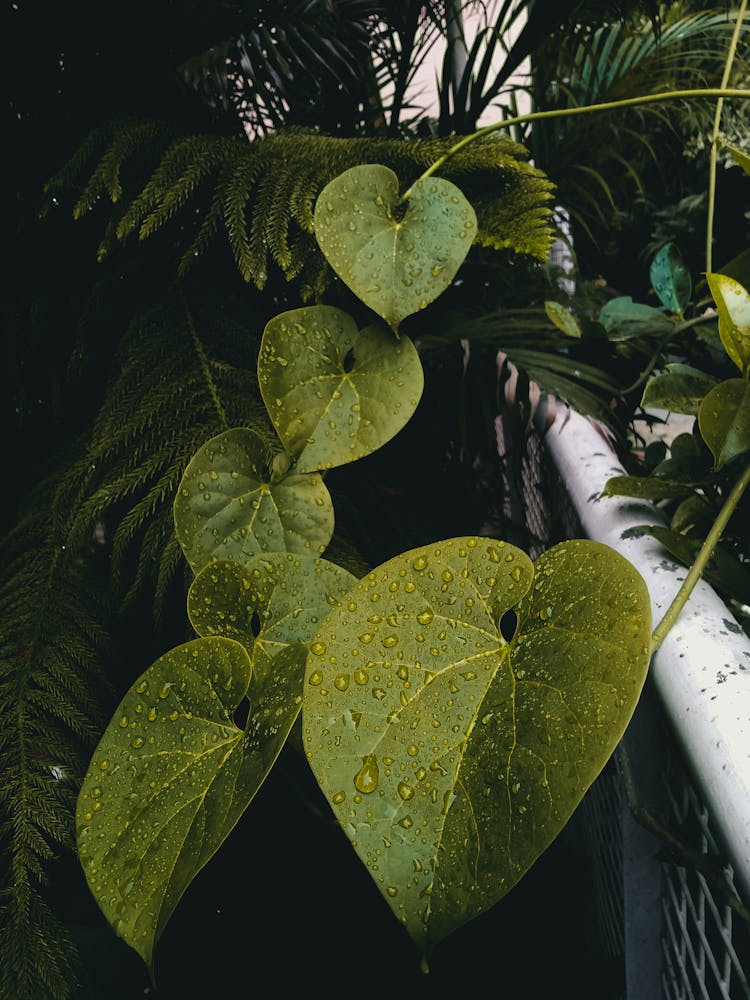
(450, 756)
(724, 420)
(680, 389)
(623, 319)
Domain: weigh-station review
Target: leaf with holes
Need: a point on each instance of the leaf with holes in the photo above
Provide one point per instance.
(335, 393)
(670, 279)
(230, 505)
(451, 756)
(273, 601)
(733, 304)
(172, 775)
(724, 420)
(395, 265)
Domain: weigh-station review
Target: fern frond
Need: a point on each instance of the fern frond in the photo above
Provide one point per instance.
(264, 191)
(157, 412)
(51, 681)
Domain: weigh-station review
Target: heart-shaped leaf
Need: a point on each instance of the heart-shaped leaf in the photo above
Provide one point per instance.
(395, 265)
(450, 756)
(230, 505)
(670, 279)
(272, 602)
(733, 304)
(172, 775)
(724, 420)
(335, 393)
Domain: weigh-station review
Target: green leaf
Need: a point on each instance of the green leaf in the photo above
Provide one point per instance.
(733, 303)
(670, 279)
(563, 318)
(335, 394)
(689, 461)
(230, 505)
(624, 319)
(272, 602)
(645, 488)
(395, 265)
(724, 420)
(450, 756)
(692, 511)
(172, 775)
(679, 390)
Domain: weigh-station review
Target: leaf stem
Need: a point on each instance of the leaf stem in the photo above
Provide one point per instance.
(205, 367)
(701, 560)
(715, 138)
(661, 344)
(628, 102)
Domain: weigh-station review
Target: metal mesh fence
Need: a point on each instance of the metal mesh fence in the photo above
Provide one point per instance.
(672, 932)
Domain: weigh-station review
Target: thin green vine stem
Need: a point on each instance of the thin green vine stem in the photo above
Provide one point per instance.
(213, 390)
(661, 344)
(628, 102)
(714, 151)
(701, 560)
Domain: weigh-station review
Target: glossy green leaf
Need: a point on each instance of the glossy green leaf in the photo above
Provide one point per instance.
(680, 389)
(563, 318)
(333, 392)
(396, 265)
(272, 602)
(724, 420)
(733, 304)
(230, 505)
(670, 279)
(450, 756)
(624, 319)
(645, 488)
(172, 775)
(692, 511)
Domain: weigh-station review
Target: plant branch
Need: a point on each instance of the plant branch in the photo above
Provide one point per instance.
(715, 138)
(629, 102)
(661, 344)
(701, 560)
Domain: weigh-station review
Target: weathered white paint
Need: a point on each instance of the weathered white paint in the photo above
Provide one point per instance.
(702, 669)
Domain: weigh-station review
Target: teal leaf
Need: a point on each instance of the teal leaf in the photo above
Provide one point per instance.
(335, 393)
(680, 389)
(563, 318)
(231, 505)
(454, 747)
(273, 601)
(724, 420)
(624, 319)
(395, 264)
(670, 279)
(172, 775)
(733, 304)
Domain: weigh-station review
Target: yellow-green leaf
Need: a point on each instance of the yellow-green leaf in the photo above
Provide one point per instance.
(231, 505)
(395, 265)
(172, 775)
(563, 318)
(274, 601)
(452, 747)
(333, 392)
(733, 304)
(724, 420)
